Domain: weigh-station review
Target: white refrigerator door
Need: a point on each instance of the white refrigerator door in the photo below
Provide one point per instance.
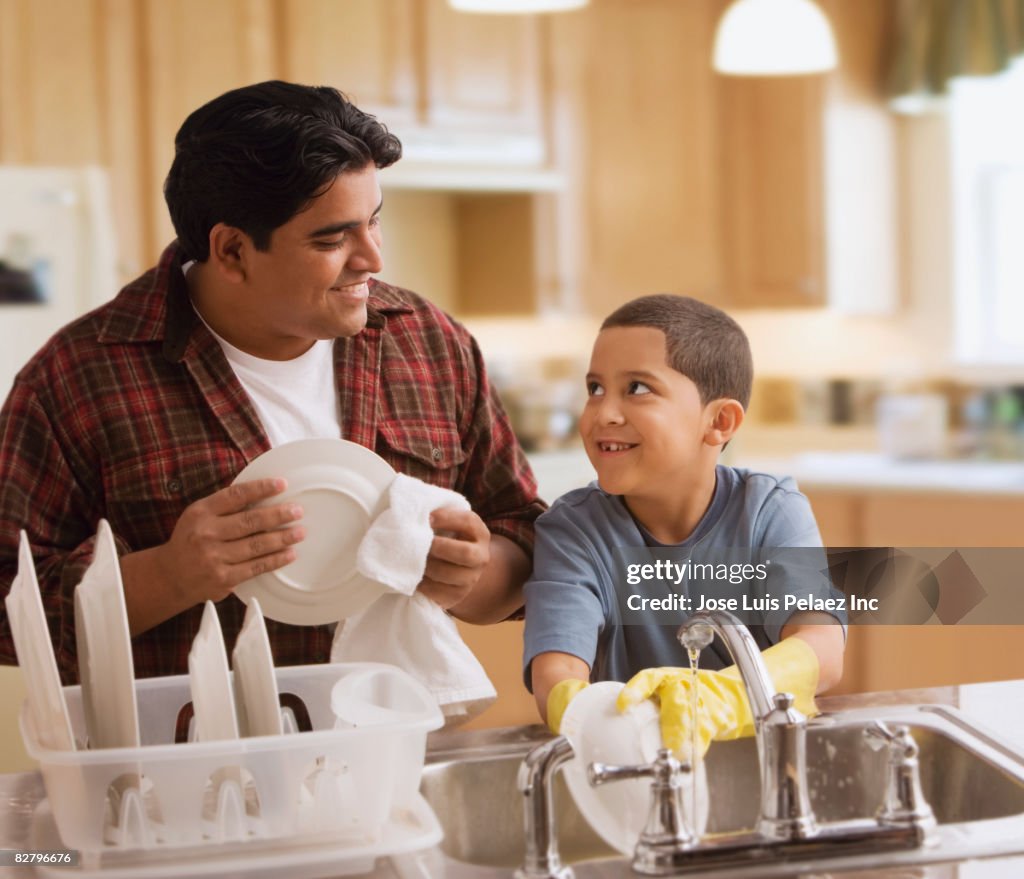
(56, 223)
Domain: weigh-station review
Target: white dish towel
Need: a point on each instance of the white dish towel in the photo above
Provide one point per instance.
(403, 627)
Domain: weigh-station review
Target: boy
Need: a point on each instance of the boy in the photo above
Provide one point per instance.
(668, 386)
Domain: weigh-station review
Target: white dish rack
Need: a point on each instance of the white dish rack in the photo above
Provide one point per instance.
(333, 782)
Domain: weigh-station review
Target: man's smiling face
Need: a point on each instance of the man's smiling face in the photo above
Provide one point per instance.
(312, 282)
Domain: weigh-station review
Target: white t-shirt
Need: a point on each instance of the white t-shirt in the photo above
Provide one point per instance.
(295, 399)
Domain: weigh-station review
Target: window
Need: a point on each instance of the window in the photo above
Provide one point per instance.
(987, 143)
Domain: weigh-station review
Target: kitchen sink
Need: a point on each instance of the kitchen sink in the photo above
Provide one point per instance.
(974, 784)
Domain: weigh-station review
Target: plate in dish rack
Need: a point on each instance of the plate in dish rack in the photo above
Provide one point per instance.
(34, 650)
(213, 697)
(255, 681)
(103, 637)
(342, 487)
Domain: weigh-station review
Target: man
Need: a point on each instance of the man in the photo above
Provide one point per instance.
(261, 324)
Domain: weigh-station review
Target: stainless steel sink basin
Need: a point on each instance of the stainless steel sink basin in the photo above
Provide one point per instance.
(974, 784)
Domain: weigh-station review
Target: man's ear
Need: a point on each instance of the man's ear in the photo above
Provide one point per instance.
(726, 418)
(228, 247)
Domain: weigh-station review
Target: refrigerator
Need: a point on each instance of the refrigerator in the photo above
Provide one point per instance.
(58, 256)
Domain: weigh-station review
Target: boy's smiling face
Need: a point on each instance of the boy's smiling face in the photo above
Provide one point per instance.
(644, 426)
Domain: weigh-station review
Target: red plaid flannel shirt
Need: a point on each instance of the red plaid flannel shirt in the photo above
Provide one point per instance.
(132, 412)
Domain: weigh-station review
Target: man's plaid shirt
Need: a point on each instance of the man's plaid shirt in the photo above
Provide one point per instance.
(132, 412)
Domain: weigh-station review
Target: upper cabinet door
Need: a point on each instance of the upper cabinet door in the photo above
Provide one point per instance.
(194, 51)
(483, 71)
(771, 139)
(455, 87)
(367, 49)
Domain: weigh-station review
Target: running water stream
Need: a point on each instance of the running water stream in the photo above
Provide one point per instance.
(695, 755)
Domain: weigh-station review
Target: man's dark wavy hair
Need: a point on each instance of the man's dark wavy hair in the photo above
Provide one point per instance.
(257, 156)
(701, 341)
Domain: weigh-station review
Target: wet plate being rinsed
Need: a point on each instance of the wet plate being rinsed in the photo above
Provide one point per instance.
(600, 734)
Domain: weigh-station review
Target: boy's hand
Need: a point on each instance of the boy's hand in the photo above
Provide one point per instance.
(721, 705)
(559, 698)
(723, 711)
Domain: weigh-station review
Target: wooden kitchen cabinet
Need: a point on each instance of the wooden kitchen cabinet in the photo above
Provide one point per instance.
(904, 518)
(366, 48)
(748, 192)
(483, 72)
(184, 66)
(772, 154)
(883, 657)
(110, 83)
(66, 100)
(464, 93)
(453, 86)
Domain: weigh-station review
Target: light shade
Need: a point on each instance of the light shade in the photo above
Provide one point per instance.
(514, 7)
(774, 38)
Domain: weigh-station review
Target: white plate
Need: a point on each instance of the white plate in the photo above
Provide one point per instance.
(105, 663)
(213, 700)
(599, 733)
(256, 685)
(342, 487)
(34, 649)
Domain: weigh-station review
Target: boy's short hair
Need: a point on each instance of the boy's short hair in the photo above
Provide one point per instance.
(256, 156)
(701, 341)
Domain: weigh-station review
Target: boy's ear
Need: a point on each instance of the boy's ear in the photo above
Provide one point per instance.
(726, 418)
(228, 248)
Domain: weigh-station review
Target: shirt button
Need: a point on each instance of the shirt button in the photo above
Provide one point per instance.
(174, 486)
(436, 454)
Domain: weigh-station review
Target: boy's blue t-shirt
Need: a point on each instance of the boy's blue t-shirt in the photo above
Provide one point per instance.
(571, 600)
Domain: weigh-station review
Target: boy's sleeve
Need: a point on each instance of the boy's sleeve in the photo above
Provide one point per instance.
(564, 608)
(799, 566)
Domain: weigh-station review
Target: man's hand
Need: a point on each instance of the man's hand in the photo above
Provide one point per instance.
(220, 542)
(458, 556)
(217, 543)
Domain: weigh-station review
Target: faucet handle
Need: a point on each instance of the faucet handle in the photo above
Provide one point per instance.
(904, 803)
(665, 832)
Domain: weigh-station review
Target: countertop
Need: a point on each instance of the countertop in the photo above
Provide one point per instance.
(872, 471)
(853, 471)
(997, 708)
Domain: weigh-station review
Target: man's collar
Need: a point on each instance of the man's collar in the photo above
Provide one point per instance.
(156, 307)
(138, 313)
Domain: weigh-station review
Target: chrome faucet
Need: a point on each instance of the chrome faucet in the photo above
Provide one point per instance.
(781, 730)
(786, 829)
(904, 803)
(665, 834)
(536, 775)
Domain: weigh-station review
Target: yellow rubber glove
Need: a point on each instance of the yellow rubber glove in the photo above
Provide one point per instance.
(723, 711)
(558, 700)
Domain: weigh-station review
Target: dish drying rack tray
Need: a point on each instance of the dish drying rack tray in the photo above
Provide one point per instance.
(325, 782)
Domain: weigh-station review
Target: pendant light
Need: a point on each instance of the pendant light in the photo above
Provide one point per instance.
(516, 7)
(774, 38)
